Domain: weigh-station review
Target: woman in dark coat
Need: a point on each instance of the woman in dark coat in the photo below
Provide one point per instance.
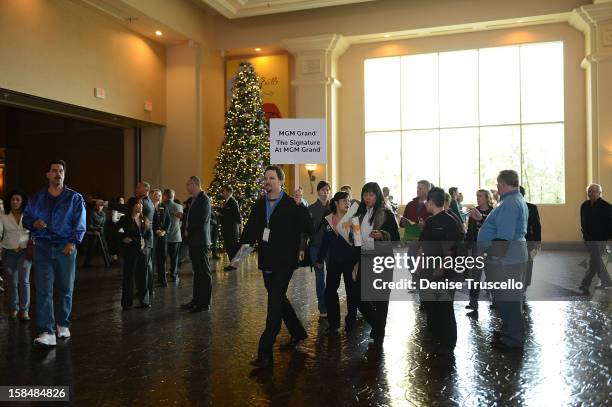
(377, 223)
(341, 258)
(133, 230)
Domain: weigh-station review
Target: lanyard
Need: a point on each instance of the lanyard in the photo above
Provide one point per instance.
(270, 206)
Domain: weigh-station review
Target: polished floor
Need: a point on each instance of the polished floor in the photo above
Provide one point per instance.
(164, 356)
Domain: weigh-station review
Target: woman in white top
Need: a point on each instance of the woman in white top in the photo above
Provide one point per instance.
(14, 242)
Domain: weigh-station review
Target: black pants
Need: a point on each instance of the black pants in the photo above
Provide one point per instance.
(161, 251)
(374, 312)
(441, 322)
(149, 270)
(596, 265)
(214, 239)
(134, 269)
(279, 310)
(336, 270)
(202, 278)
(230, 242)
(173, 252)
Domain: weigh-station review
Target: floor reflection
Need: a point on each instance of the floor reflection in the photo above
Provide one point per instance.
(165, 356)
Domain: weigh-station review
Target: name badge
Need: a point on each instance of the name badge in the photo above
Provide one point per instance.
(266, 234)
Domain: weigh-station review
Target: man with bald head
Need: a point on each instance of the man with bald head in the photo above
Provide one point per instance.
(596, 226)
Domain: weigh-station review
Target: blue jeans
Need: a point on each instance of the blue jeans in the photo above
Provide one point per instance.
(320, 279)
(509, 303)
(53, 267)
(18, 272)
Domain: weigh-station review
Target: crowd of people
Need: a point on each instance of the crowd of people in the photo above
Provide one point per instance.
(152, 227)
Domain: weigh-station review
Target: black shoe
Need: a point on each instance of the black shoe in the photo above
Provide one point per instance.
(261, 362)
(584, 290)
(188, 306)
(197, 308)
(144, 305)
(469, 306)
(229, 268)
(292, 344)
(472, 314)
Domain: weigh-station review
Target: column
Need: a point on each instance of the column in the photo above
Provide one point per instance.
(595, 21)
(316, 86)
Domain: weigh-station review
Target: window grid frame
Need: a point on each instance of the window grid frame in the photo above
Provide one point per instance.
(520, 124)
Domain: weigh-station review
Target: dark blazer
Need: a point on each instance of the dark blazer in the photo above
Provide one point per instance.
(287, 224)
(596, 220)
(197, 221)
(148, 208)
(161, 221)
(230, 219)
(127, 227)
(534, 228)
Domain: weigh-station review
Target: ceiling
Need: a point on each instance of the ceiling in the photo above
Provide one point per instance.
(249, 8)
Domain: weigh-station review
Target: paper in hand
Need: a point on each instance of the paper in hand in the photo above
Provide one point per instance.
(242, 254)
(344, 226)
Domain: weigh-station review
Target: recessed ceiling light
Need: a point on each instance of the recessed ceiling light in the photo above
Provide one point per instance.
(257, 49)
(519, 21)
(387, 35)
(159, 33)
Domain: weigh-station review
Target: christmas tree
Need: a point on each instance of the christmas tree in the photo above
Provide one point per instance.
(245, 150)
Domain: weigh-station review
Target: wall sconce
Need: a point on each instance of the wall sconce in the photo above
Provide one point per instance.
(311, 169)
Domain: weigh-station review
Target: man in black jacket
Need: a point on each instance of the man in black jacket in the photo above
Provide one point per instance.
(277, 224)
(533, 237)
(230, 224)
(161, 224)
(596, 225)
(197, 231)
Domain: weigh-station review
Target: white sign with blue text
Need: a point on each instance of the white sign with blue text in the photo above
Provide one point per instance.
(298, 141)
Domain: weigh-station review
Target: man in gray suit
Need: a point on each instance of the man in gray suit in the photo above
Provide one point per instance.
(197, 232)
(175, 212)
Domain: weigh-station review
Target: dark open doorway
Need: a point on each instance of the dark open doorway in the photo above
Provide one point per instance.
(29, 140)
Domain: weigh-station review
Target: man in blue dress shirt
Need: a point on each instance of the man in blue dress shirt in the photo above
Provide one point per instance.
(502, 238)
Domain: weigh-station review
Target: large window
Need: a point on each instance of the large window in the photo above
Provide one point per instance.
(458, 118)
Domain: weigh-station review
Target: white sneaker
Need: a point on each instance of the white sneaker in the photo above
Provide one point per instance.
(63, 332)
(45, 339)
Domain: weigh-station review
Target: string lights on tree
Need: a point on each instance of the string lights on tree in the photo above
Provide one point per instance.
(245, 150)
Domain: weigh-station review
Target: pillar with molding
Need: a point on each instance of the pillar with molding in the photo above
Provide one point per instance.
(595, 21)
(316, 85)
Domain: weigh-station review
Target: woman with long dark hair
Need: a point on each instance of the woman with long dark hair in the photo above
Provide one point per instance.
(377, 223)
(342, 256)
(15, 258)
(484, 202)
(134, 229)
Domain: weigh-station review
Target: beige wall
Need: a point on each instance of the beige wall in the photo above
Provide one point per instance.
(213, 110)
(561, 222)
(181, 146)
(61, 50)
